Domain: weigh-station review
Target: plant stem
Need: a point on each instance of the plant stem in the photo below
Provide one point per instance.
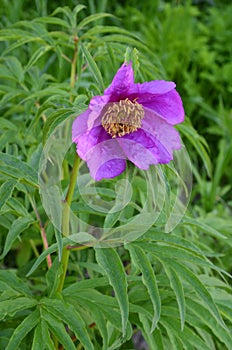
(65, 220)
(42, 231)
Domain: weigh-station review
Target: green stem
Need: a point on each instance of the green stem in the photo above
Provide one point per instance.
(65, 221)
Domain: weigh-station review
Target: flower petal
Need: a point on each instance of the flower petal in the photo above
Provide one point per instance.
(155, 87)
(106, 159)
(167, 106)
(165, 133)
(80, 125)
(122, 81)
(109, 169)
(89, 140)
(142, 149)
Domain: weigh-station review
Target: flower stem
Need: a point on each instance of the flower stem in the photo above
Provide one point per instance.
(65, 220)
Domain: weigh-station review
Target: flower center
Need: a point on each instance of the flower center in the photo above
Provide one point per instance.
(123, 117)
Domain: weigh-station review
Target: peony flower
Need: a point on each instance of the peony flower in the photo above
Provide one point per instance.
(131, 121)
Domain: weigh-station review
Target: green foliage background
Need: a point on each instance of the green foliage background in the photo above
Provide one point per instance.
(173, 290)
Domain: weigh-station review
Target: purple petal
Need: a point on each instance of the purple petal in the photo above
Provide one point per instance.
(122, 81)
(106, 159)
(80, 125)
(89, 140)
(143, 149)
(110, 169)
(165, 133)
(103, 155)
(167, 106)
(155, 87)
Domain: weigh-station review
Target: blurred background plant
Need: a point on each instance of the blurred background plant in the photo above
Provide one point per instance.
(55, 55)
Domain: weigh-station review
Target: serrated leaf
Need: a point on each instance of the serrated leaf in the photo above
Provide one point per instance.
(10, 307)
(142, 262)
(22, 330)
(57, 328)
(67, 313)
(109, 260)
(93, 66)
(6, 190)
(18, 226)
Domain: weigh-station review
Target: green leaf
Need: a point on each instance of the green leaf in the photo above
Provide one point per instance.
(38, 336)
(6, 191)
(205, 228)
(198, 143)
(92, 18)
(142, 262)
(203, 316)
(18, 226)
(53, 248)
(54, 120)
(58, 330)
(109, 260)
(67, 313)
(17, 169)
(36, 56)
(42, 333)
(93, 66)
(53, 277)
(22, 330)
(15, 67)
(10, 279)
(186, 274)
(178, 290)
(10, 307)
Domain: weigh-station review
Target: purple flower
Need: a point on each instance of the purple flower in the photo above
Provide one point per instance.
(130, 121)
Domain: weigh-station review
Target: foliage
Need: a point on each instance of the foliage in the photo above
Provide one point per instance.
(171, 289)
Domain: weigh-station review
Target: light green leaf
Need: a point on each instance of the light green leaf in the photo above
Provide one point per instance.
(142, 262)
(18, 226)
(93, 66)
(109, 260)
(6, 190)
(22, 330)
(10, 307)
